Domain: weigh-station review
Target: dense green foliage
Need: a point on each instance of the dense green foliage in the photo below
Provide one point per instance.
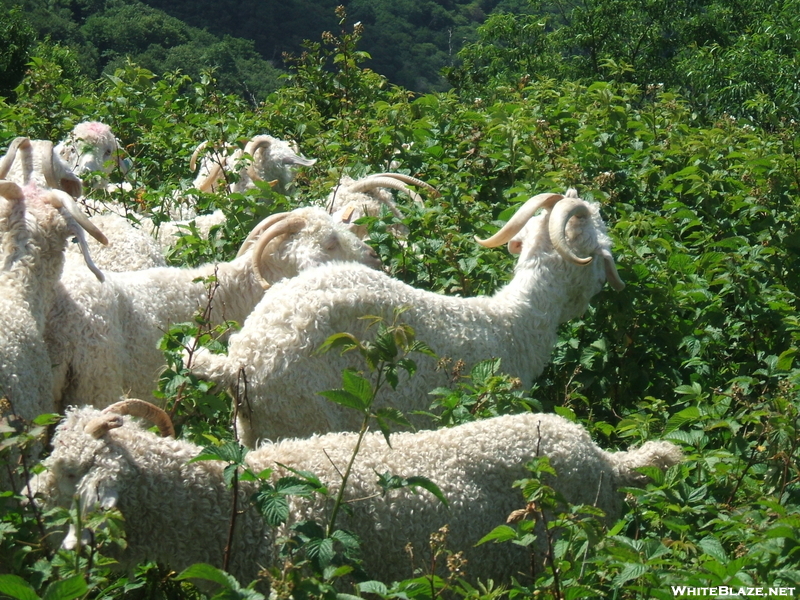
(699, 348)
(103, 35)
(740, 58)
(17, 40)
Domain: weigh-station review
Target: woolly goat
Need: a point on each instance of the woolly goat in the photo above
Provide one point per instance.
(272, 159)
(91, 147)
(352, 199)
(275, 350)
(103, 338)
(178, 512)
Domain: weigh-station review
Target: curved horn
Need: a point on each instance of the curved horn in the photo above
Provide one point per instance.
(10, 190)
(262, 226)
(11, 153)
(560, 216)
(410, 180)
(87, 257)
(522, 216)
(99, 426)
(207, 184)
(612, 276)
(296, 159)
(258, 142)
(47, 163)
(77, 223)
(370, 183)
(287, 226)
(72, 184)
(145, 410)
(61, 199)
(195, 154)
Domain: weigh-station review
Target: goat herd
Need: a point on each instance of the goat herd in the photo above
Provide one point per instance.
(76, 341)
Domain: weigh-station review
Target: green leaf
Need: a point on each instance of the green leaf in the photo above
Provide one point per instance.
(346, 399)
(346, 539)
(712, 546)
(272, 505)
(345, 341)
(321, 549)
(373, 587)
(684, 417)
(786, 358)
(392, 414)
(66, 589)
(231, 452)
(385, 430)
(307, 476)
(485, 369)
(229, 474)
(501, 533)
(781, 531)
(16, 587)
(294, 486)
(630, 571)
(422, 348)
(566, 412)
(357, 385)
(427, 484)
(208, 573)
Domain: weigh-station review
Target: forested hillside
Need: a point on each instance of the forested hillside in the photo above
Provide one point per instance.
(738, 55)
(677, 121)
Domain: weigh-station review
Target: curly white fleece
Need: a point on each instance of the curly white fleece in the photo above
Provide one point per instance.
(179, 513)
(277, 344)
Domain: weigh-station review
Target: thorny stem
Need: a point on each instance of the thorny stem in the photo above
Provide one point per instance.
(90, 560)
(206, 318)
(36, 512)
(432, 576)
(10, 471)
(551, 555)
(340, 494)
(333, 464)
(596, 500)
(78, 535)
(361, 433)
(226, 556)
(750, 462)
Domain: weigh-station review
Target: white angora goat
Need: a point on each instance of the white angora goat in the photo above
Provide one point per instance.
(352, 199)
(564, 260)
(272, 159)
(35, 224)
(41, 166)
(103, 338)
(178, 512)
(91, 147)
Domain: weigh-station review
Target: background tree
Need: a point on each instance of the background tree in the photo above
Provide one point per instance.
(16, 41)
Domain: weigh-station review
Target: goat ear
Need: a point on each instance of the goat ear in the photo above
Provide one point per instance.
(95, 493)
(107, 497)
(515, 246)
(73, 186)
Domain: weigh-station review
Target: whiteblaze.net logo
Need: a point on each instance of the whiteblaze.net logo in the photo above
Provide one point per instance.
(722, 591)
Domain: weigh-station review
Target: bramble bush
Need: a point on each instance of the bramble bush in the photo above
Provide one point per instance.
(699, 348)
